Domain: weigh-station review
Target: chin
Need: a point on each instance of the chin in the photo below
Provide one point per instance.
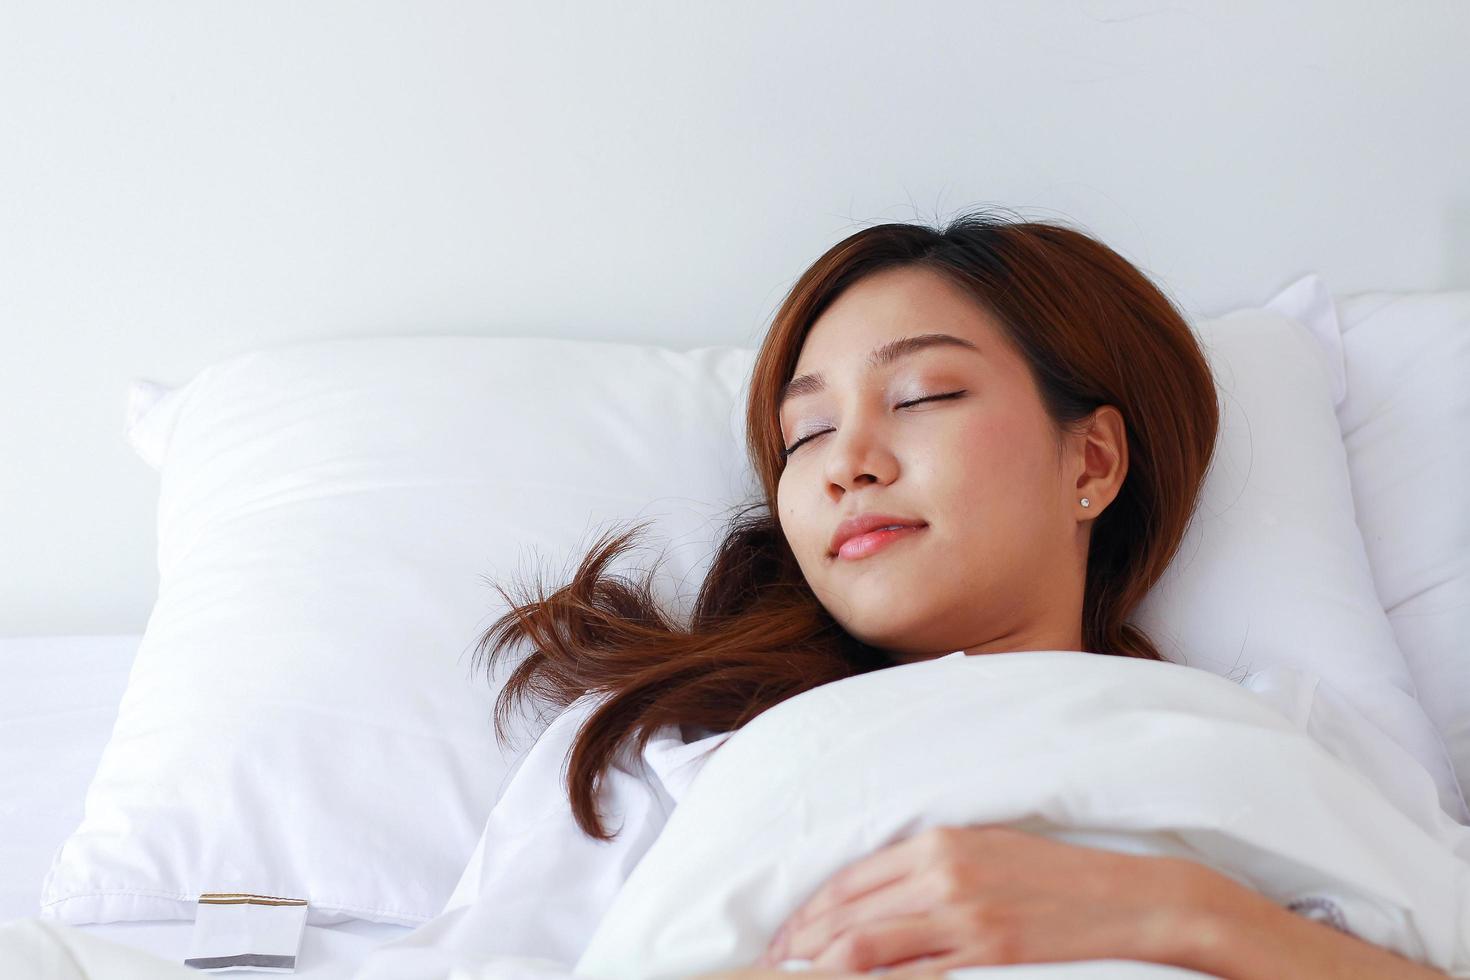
(890, 634)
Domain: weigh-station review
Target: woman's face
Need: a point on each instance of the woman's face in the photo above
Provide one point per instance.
(999, 563)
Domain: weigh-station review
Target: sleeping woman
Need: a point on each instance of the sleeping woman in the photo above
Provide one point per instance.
(982, 440)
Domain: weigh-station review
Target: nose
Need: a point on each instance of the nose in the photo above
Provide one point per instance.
(859, 453)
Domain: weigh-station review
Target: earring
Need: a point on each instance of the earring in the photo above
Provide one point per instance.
(1086, 502)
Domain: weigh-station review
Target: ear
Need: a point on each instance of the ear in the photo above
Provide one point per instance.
(1102, 459)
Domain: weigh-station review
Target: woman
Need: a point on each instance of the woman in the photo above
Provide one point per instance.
(987, 438)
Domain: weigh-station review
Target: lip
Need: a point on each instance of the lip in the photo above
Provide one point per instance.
(863, 525)
(864, 545)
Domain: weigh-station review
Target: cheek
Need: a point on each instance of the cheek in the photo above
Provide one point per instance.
(997, 443)
(789, 519)
(970, 457)
(983, 472)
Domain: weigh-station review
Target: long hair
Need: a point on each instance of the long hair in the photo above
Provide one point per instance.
(1093, 330)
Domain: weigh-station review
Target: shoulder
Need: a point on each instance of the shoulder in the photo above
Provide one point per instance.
(675, 759)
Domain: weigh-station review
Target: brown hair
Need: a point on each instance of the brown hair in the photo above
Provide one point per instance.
(1093, 329)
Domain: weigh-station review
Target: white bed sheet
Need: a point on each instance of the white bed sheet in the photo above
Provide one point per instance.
(58, 700)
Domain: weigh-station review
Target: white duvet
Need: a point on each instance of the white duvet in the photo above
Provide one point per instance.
(1275, 783)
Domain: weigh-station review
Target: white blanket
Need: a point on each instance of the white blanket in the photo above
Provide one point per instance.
(1125, 754)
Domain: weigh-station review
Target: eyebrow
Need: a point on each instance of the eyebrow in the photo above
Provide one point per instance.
(810, 384)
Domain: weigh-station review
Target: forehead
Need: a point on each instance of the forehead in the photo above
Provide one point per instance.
(886, 305)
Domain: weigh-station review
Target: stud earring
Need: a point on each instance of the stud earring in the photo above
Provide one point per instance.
(1086, 502)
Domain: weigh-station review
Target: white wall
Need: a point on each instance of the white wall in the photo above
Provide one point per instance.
(184, 181)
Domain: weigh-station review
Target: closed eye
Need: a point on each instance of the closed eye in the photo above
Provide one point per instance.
(927, 398)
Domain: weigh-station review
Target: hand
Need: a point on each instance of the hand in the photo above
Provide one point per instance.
(982, 895)
(757, 973)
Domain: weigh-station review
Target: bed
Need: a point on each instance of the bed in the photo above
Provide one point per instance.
(58, 701)
(256, 531)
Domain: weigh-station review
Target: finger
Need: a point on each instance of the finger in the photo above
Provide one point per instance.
(888, 941)
(926, 968)
(875, 870)
(912, 894)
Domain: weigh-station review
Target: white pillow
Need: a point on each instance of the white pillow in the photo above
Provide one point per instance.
(301, 718)
(1404, 424)
(1309, 302)
(1272, 569)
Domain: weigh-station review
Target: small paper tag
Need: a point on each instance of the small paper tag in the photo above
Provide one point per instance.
(239, 931)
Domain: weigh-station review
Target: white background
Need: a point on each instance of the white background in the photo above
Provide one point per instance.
(184, 181)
